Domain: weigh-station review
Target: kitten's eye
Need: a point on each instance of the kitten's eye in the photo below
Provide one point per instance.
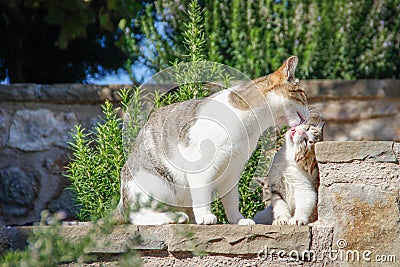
(307, 128)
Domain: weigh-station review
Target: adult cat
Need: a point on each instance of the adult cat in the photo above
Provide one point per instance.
(292, 181)
(188, 150)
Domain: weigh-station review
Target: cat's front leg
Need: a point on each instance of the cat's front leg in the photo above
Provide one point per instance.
(231, 205)
(201, 194)
(305, 203)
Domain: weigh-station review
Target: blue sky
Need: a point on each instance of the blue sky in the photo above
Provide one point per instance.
(121, 77)
(139, 70)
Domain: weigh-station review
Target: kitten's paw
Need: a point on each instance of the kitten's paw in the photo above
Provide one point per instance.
(207, 219)
(246, 222)
(280, 221)
(297, 221)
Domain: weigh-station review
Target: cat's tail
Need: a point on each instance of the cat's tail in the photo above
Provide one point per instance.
(147, 216)
(265, 216)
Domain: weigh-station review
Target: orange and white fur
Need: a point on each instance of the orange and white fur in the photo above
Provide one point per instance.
(292, 181)
(189, 150)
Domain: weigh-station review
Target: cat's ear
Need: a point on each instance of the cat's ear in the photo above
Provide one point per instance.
(285, 72)
(288, 68)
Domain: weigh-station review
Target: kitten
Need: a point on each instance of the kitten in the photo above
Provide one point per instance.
(293, 179)
(188, 150)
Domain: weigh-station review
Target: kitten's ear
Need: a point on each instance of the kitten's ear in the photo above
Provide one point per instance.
(259, 180)
(288, 68)
(321, 125)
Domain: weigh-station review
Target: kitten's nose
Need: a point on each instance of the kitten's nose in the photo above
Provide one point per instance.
(300, 131)
(292, 131)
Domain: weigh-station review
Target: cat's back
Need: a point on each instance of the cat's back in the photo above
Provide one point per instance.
(167, 127)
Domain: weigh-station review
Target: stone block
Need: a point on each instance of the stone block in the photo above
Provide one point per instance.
(121, 238)
(364, 217)
(234, 239)
(396, 150)
(355, 89)
(13, 238)
(18, 191)
(350, 110)
(340, 152)
(37, 130)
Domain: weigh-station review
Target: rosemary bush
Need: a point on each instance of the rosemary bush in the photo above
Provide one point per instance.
(97, 161)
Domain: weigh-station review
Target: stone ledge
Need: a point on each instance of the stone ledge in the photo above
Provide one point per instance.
(65, 93)
(59, 93)
(353, 89)
(215, 239)
(341, 152)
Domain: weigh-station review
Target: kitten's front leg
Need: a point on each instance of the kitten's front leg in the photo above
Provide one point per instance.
(305, 201)
(231, 205)
(280, 209)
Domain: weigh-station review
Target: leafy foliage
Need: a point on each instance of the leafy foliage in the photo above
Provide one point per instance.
(335, 40)
(97, 161)
(47, 248)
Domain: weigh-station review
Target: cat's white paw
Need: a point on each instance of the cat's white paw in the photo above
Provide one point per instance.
(280, 221)
(207, 219)
(246, 222)
(297, 221)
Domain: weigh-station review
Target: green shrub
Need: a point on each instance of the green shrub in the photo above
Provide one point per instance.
(333, 39)
(97, 161)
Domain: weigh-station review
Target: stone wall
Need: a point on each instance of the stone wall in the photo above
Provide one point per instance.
(35, 126)
(357, 110)
(358, 223)
(35, 121)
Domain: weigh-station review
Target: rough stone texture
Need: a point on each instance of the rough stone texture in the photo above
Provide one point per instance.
(18, 191)
(37, 130)
(339, 152)
(59, 93)
(233, 239)
(357, 110)
(379, 168)
(353, 89)
(359, 196)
